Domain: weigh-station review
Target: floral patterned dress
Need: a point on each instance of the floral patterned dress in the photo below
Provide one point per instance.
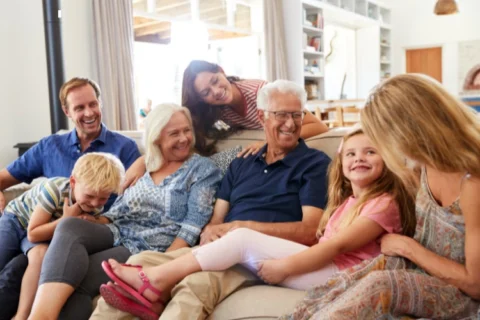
(393, 287)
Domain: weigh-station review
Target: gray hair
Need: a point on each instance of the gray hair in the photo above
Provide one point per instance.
(282, 86)
(156, 120)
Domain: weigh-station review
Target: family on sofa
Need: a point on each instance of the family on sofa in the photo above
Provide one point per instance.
(412, 167)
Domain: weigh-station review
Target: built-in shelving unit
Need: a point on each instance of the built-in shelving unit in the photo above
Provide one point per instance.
(306, 44)
(385, 53)
(313, 51)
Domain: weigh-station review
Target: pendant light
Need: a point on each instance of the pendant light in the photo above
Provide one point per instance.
(444, 7)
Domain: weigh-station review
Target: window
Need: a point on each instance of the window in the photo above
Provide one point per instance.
(171, 33)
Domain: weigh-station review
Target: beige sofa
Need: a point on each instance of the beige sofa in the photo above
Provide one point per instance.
(258, 302)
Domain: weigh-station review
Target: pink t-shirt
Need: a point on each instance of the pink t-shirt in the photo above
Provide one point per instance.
(383, 210)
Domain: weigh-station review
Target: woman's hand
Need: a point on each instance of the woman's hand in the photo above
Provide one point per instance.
(135, 172)
(251, 149)
(273, 271)
(394, 245)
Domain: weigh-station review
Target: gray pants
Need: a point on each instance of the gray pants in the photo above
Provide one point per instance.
(74, 257)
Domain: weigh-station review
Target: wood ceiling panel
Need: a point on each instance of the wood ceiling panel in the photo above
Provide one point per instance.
(210, 11)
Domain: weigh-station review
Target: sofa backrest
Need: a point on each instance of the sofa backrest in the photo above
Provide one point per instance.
(327, 142)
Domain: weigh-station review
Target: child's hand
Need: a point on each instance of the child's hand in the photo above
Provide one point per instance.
(71, 211)
(88, 217)
(273, 271)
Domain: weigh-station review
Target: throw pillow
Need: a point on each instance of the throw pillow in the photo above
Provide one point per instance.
(223, 158)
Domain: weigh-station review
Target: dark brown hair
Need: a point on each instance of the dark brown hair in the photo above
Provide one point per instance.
(204, 115)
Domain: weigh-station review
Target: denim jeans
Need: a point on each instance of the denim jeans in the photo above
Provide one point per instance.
(14, 246)
(11, 235)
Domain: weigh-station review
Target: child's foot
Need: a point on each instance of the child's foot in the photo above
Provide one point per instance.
(131, 277)
(156, 307)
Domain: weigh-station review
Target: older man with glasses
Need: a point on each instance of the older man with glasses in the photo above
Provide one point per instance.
(280, 191)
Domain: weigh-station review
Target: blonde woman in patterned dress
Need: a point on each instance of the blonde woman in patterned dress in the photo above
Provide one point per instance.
(436, 273)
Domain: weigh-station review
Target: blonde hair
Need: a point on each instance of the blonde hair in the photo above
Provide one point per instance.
(99, 171)
(76, 83)
(411, 116)
(156, 120)
(340, 189)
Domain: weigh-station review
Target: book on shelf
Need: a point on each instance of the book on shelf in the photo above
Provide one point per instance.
(317, 43)
(314, 19)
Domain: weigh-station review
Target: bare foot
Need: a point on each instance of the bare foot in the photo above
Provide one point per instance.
(130, 276)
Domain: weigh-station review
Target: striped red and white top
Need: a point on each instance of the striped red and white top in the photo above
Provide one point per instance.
(249, 90)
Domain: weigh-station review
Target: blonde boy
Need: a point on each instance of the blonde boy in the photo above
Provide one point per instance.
(29, 221)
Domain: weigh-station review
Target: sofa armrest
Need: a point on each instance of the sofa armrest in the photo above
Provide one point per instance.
(13, 192)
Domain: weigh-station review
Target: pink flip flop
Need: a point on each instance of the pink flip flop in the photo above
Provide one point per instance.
(137, 294)
(117, 300)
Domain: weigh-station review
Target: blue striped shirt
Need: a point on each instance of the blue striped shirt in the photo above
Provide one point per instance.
(49, 194)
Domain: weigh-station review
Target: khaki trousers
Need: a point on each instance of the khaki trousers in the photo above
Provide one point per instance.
(194, 298)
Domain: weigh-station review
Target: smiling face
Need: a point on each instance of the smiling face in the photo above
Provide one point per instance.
(361, 163)
(213, 88)
(88, 199)
(176, 138)
(282, 135)
(83, 108)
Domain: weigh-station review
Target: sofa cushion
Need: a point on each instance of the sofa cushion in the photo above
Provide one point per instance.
(258, 302)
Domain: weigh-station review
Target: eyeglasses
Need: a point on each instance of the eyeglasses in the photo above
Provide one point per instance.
(284, 115)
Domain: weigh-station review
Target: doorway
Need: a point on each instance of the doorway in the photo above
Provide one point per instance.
(427, 61)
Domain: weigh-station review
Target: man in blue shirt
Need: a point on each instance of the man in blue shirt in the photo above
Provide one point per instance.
(55, 156)
(281, 191)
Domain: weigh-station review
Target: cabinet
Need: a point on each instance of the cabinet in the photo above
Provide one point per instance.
(306, 47)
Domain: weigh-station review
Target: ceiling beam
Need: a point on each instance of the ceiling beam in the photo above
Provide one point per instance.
(174, 5)
(158, 28)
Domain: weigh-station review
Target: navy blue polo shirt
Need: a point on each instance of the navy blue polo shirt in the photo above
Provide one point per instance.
(275, 193)
(55, 155)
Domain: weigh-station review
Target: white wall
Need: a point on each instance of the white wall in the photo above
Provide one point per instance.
(24, 103)
(341, 62)
(24, 107)
(78, 39)
(414, 25)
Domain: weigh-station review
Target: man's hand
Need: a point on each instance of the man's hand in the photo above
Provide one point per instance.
(71, 211)
(212, 232)
(2, 202)
(273, 271)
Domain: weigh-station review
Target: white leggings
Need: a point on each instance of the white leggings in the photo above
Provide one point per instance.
(248, 247)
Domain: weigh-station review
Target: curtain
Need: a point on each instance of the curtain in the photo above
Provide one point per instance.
(113, 56)
(275, 46)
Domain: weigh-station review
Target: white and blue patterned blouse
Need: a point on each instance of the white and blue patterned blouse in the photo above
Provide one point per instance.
(150, 217)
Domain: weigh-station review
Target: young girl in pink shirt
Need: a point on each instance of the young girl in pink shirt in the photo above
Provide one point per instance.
(366, 201)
